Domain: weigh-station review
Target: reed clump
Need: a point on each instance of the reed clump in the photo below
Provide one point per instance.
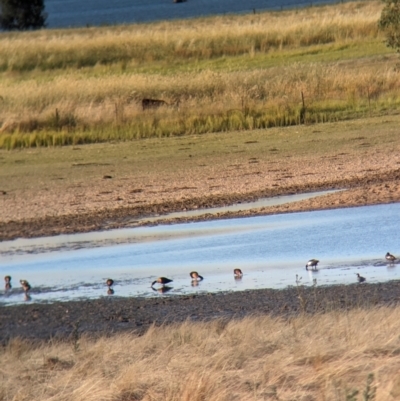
(337, 355)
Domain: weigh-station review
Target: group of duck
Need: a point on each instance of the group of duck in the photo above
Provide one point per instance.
(311, 265)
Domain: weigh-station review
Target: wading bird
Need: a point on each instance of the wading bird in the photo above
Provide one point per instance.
(25, 286)
(196, 276)
(312, 263)
(7, 280)
(161, 280)
(237, 273)
(360, 279)
(390, 257)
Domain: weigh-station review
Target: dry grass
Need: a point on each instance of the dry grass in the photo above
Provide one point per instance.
(229, 73)
(200, 39)
(321, 357)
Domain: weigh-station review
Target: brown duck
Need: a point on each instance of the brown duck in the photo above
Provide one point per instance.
(237, 273)
(25, 285)
(312, 263)
(161, 280)
(390, 257)
(7, 280)
(196, 276)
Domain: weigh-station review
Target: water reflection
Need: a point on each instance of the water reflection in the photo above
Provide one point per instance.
(163, 289)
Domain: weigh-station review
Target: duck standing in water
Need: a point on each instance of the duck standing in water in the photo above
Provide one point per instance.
(237, 273)
(360, 279)
(312, 263)
(110, 283)
(161, 280)
(7, 280)
(25, 286)
(391, 258)
(196, 276)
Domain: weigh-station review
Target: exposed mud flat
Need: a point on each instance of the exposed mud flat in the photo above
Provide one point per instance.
(376, 188)
(108, 316)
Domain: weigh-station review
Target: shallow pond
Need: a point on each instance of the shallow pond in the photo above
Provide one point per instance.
(271, 251)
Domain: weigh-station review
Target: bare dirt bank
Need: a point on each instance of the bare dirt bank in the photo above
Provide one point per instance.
(368, 190)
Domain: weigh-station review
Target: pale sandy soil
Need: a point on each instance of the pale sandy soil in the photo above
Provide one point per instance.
(369, 173)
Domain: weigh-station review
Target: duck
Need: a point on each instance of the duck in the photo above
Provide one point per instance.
(390, 257)
(8, 286)
(196, 276)
(110, 282)
(237, 273)
(161, 280)
(25, 285)
(360, 279)
(312, 263)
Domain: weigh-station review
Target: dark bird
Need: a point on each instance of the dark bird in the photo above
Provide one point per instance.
(110, 291)
(110, 282)
(196, 276)
(390, 257)
(312, 263)
(25, 285)
(161, 280)
(237, 273)
(360, 279)
(7, 280)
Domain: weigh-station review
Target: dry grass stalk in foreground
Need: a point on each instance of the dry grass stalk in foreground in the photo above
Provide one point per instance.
(321, 357)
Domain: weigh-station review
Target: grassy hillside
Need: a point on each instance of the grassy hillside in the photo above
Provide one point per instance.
(226, 73)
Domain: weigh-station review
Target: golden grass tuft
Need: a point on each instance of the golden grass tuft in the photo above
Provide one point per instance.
(321, 357)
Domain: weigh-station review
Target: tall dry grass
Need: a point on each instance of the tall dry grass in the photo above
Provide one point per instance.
(348, 356)
(72, 105)
(199, 39)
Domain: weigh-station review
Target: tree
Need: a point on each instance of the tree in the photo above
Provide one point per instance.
(390, 23)
(22, 14)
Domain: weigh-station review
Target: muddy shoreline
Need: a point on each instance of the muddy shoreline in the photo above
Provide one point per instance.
(111, 315)
(375, 188)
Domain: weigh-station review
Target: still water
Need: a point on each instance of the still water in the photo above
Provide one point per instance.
(270, 250)
(69, 13)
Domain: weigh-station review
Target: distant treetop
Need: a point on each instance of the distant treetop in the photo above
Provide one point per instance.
(22, 14)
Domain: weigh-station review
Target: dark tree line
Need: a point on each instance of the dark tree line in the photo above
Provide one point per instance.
(22, 14)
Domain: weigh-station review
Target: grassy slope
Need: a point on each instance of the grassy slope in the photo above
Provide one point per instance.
(62, 166)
